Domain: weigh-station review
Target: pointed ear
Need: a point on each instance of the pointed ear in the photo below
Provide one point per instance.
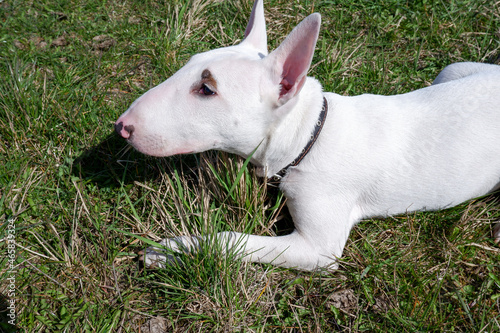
(255, 33)
(292, 59)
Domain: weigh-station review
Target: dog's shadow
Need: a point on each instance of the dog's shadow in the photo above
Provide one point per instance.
(113, 163)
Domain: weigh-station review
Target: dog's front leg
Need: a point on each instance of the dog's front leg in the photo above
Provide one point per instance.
(321, 230)
(294, 250)
(320, 235)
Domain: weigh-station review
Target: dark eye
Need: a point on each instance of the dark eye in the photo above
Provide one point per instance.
(204, 90)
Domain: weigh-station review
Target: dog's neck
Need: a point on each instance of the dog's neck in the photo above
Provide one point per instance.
(291, 134)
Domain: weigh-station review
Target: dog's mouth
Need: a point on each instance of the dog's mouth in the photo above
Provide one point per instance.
(157, 147)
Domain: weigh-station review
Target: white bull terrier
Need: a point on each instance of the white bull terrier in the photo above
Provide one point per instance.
(360, 156)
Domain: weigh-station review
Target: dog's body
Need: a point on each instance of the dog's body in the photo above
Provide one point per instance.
(375, 156)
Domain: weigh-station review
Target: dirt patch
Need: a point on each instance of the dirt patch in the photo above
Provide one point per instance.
(60, 41)
(37, 41)
(343, 299)
(102, 42)
(156, 325)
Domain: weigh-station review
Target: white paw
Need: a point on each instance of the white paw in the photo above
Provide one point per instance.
(154, 257)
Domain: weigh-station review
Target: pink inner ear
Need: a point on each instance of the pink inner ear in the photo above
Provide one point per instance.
(292, 71)
(285, 87)
(293, 57)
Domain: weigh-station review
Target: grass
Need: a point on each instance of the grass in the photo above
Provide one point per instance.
(80, 199)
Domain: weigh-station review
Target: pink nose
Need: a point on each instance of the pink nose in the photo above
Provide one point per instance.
(125, 131)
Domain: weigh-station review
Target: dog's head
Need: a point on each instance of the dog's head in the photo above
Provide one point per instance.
(228, 99)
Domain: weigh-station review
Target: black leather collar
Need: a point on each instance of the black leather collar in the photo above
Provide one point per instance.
(275, 180)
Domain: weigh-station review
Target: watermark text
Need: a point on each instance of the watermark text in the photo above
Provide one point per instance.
(11, 270)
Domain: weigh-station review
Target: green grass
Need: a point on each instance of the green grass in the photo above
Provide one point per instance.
(77, 194)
